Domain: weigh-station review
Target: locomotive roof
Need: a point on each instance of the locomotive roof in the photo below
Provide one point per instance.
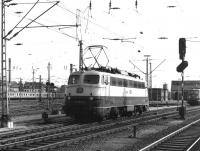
(111, 71)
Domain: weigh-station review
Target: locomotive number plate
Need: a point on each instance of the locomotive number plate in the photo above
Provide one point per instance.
(79, 90)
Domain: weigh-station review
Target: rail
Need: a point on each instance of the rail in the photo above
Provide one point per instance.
(53, 139)
(147, 148)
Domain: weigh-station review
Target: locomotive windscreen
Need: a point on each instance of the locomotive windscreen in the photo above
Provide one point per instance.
(74, 79)
(91, 79)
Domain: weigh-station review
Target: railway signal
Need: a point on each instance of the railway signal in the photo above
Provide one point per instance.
(50, 87)
(182, 48)
(47, 86)
(181, 67)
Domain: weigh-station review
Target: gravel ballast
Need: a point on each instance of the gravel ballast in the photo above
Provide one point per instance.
(124, 141)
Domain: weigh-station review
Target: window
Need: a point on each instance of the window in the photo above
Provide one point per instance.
(135, 84)
(119, 82)
(143, 85)
(125, 83)
(74, 79)
(113, 81)
(91, 79)
(130, 84)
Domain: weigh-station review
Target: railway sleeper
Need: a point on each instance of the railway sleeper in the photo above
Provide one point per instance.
(16, 149)
(177, 143)
(171, 146)
(167, 149)
(13, 149)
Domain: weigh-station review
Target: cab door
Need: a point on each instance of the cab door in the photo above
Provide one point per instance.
(125, 92)
(107, 87)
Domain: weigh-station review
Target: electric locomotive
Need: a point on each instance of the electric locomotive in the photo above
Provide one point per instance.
(101, 93)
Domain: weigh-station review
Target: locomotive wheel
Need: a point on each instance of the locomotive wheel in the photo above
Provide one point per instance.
(123, 111)
(100, 118)
(129, 114)
(114, 113)
(140, 110)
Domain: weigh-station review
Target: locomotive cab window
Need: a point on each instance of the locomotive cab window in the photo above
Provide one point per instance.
(74, 79)
(91, 79)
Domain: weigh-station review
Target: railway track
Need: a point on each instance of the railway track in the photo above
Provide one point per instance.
(46, 138)
(30, 107)
(183, 139)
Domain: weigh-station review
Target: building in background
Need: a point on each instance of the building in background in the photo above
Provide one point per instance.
(159, 94)
(34, 87)
(32, 90)
(176, 88)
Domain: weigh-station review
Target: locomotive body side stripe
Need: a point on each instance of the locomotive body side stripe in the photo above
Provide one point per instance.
(103, 90)
(104, 101)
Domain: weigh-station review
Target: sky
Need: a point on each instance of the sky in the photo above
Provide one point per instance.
(140, 28)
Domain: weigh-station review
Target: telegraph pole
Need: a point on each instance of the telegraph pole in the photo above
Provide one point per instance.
(4, 117)
(45, 113)
(81, 56)
(33, 72)
(147, 70)
(40, 90)
(9, 84)
(150, 80)
(9, 70)
(48, 67)
(20, 89)
(148, 73)
(48, 89)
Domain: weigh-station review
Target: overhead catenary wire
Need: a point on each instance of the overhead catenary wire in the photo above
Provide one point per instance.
(33, 21)
(98, 25)
(118, 35)
(55, 30)
(80, 17)
(33, 3)
(87, 20)
(78, 21)
(89, 14)
(22, 19)
(50, 27)
(58, 31)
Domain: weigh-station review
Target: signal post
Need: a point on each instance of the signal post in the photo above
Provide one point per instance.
(180, 68)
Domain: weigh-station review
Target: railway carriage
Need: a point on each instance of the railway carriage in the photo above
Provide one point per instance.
(103, 93)
(193, 96)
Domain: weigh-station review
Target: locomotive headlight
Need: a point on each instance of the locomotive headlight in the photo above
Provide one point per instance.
(91, 98)
(68, 98)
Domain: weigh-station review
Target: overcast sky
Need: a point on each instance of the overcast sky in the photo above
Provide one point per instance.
(148, 22)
